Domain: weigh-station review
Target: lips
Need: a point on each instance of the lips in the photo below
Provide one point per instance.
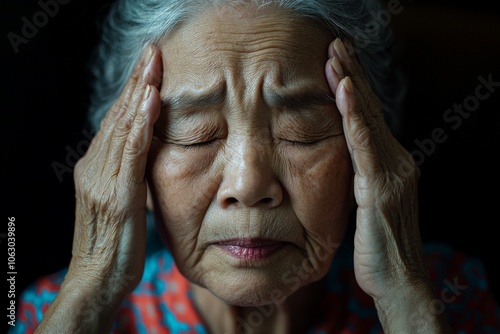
(250, 249)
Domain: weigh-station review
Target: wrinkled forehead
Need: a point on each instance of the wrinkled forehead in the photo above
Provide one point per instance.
(245, 41)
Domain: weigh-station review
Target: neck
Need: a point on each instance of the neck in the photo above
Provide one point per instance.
(291, 316)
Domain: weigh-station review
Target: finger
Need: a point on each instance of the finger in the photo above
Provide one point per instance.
(121, 105)
(334, 69)
(334, 73)
(347, 62)
(345, 54)
(115, 113)
(150, 76)
(331, 51)
(133, 164)
(359, 128)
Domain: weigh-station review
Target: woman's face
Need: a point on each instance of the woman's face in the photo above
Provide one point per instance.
(249, 169)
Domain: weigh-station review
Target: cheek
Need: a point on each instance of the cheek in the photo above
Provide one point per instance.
(320, 185)
(176, 181)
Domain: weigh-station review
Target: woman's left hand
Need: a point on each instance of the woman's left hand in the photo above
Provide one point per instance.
(388, 260)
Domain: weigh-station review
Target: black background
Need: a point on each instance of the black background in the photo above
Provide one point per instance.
(443, 47)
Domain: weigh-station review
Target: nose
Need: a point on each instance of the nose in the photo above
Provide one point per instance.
(249, 179)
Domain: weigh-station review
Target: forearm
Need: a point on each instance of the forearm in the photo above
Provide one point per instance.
(412, 310)
(82, 307)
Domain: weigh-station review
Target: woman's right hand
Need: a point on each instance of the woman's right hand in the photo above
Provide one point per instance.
(110, 228)
(110, 223)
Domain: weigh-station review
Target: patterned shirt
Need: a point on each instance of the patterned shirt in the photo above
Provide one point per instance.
(162, 302)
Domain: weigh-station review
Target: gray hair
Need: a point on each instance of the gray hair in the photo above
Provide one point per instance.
(131, 24)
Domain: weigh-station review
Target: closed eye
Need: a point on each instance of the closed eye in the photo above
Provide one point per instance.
(199, 145)
(302, 143)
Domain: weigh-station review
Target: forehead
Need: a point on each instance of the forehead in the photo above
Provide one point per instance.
(245, 42)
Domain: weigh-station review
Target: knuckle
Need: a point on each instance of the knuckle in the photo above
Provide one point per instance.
(119, 108)
(124, 124)
(136, 73)
(135, 140)
(134, 146)
(362, 132)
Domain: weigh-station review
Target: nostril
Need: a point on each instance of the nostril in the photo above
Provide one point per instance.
(267, 200)
(231, 200)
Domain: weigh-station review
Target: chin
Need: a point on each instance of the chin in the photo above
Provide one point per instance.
(253, 287)
(251, 292)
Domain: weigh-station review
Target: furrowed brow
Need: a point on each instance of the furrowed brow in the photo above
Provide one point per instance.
(301, 100)
(293, 100)
(187, 101)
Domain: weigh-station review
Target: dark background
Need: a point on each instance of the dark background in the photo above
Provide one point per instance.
(443, 47)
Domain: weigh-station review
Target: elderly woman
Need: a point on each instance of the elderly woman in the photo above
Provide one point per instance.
(254, 132)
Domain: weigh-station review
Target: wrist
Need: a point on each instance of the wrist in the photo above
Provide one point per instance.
(82, 305)
(412, 310)
(112, 286)
(102, 275)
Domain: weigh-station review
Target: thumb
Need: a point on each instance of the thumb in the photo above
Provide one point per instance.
(359, 128)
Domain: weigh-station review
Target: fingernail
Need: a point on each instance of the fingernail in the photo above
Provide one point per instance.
(348, 85)
(331, 49)
(337, 66)
(340, 49)
(147, 92)
(145, 100)
(148, 53)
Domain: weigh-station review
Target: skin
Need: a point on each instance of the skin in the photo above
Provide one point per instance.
(238, 167)
(258, 181)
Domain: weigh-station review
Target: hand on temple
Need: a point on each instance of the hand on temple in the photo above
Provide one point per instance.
(388, 260)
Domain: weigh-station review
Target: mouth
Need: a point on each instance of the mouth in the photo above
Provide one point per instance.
(250, 249)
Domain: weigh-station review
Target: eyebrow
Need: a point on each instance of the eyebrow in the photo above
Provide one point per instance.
(300, 99)
(188, 101)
